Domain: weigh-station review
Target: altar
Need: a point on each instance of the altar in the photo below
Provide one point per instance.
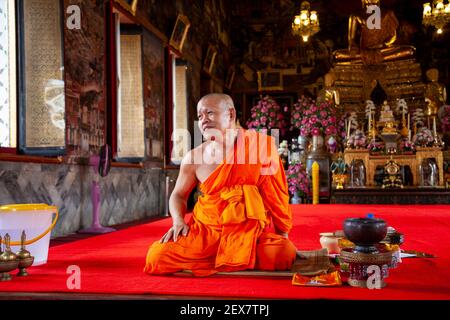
(393, 117)
(407, 195)
(413, 161)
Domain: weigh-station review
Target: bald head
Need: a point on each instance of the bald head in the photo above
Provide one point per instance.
(222, 100)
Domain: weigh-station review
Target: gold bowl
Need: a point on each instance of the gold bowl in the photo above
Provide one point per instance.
(5, 267)
(23, 264)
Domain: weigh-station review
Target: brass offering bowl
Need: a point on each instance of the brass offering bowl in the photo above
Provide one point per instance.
(7, 263)
(24, 262)
(365, 233)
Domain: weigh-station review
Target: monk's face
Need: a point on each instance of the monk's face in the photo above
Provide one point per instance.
(214, 118)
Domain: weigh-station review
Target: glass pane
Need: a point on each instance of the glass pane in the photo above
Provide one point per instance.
(7, 74)
(130, 125)
(43, 68)
(180, 136)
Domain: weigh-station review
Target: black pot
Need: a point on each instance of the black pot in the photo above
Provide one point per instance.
(365, 233)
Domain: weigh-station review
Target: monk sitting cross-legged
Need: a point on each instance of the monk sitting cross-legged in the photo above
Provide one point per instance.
(243, 196)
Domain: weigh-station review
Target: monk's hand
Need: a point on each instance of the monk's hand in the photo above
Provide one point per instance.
(178, 228)
(283, 234)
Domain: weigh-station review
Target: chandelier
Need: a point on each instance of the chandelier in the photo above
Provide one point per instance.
(307, 23)
(436, 15)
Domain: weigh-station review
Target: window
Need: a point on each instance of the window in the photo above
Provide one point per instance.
(130, 101)
(136, 87)
(7, 74)
(180, 136)
(34, 73)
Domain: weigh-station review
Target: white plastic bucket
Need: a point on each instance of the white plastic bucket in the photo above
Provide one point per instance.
(36, 221)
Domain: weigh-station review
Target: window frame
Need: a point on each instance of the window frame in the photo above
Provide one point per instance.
(112, 7)
(177, 62)
(21, 147)
(134, 30)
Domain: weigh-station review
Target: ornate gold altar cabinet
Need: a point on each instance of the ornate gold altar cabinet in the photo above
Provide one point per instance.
(413, 161)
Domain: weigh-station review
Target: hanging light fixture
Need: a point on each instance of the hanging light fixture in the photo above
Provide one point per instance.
(306, 24)
(436, 15)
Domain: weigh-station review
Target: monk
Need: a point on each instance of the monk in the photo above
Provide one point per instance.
(242, 219)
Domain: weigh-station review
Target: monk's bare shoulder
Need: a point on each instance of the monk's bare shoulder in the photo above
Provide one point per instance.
(194, 157)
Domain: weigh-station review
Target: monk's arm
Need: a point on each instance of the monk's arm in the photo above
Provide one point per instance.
(186, 182)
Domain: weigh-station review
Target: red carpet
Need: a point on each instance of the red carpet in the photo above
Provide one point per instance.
(113, 263)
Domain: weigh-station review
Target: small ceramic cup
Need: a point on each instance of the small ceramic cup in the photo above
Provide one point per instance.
(330, 242)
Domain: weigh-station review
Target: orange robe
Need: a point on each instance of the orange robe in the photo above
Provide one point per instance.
(241, 199)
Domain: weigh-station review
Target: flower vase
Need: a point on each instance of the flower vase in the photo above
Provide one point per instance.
(317, 143)
(296, 199)
(303, 142)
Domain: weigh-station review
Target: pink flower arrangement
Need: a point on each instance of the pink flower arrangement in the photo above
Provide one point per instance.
(423, 137)
(406, 146)
(358, 139)
(266, 114)
(376, 146)
(298, 181)
(315, 119)
(445, 118)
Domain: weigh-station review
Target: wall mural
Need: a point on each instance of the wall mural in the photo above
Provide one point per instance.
(85, 81)
(154, 102)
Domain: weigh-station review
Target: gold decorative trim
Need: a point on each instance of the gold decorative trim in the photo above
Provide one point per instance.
(179, 33)
(129, 5)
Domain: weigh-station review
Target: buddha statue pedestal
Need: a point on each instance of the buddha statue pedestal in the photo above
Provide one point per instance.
(374, 56)
(399, 79)
(390, 140)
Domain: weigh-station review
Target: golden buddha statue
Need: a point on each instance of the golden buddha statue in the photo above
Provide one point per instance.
(435, 93)
(329, 93)
(375, 45)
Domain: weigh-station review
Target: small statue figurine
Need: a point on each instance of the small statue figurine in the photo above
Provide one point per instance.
(339, 166)
(332, 145)
(339, 170)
